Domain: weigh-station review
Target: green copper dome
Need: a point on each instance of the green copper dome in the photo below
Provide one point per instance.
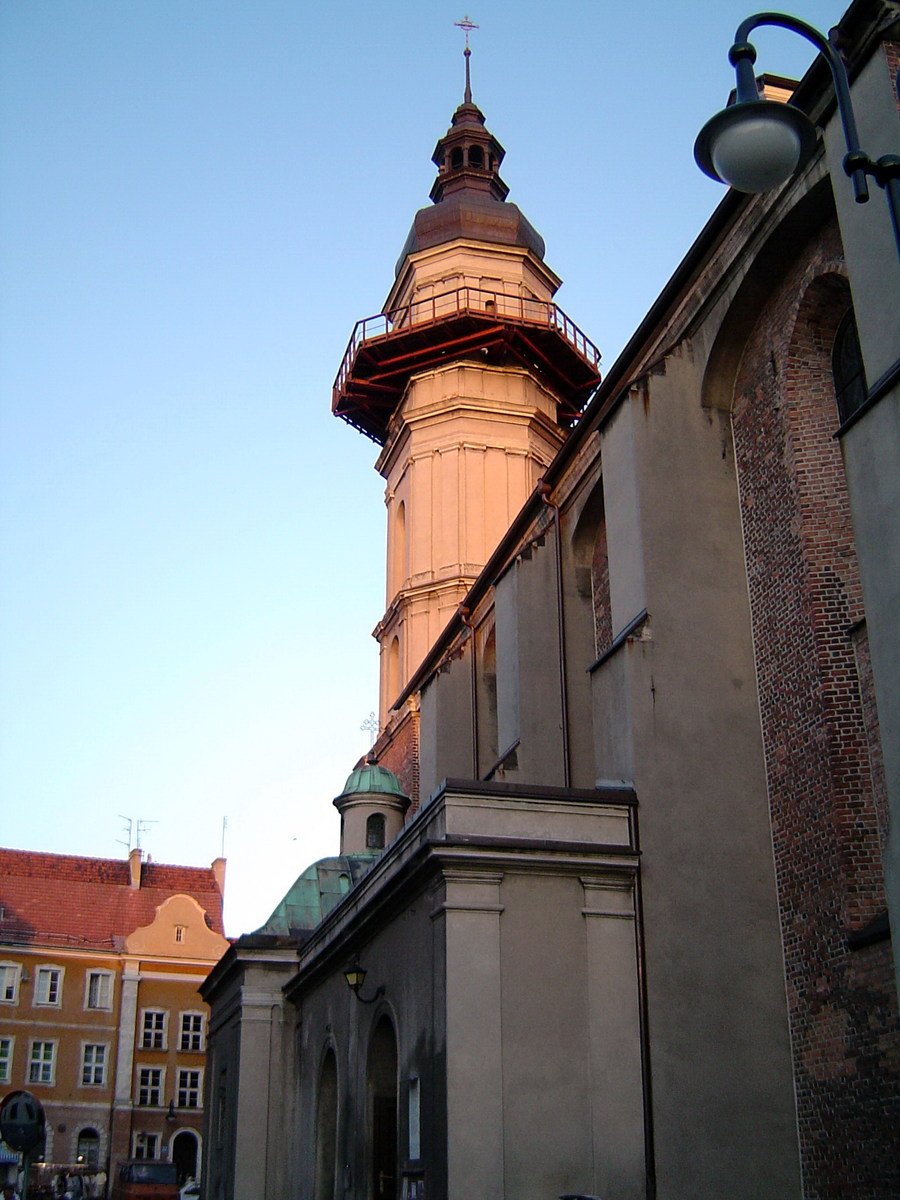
(372, 778)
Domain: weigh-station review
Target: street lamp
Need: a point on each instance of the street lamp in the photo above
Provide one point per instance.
(755, 145)
(356, 977)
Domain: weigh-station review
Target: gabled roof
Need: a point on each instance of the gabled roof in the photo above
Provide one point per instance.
(66, 900)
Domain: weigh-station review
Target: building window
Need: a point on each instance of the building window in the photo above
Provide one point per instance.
(191, 1032)
(189, 1085)
(179, 933)
(42, 1063)
(150, 1088)
(88, 1148)
(146, 1145)
(375, 832)
(153, 1031)
(93, 1065)
(10, 974)
(48, 986)
(850, 388)
(99, 990)
(6, 1058)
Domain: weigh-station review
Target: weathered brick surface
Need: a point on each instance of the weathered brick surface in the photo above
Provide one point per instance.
(398, 750)
(805, 600)
(603, 631)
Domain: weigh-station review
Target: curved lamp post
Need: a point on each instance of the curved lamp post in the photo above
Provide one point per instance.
(755, 145)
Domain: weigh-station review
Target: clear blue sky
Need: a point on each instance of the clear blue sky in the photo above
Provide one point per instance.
(197, 202)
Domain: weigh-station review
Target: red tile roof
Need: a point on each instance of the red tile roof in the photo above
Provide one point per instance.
(66, 900)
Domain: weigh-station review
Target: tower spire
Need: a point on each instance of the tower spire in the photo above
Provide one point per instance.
(466, 25)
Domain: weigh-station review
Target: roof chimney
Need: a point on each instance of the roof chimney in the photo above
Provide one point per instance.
(218, 870)
(134, 867)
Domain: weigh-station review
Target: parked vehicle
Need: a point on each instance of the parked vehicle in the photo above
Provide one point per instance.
(146, 1179)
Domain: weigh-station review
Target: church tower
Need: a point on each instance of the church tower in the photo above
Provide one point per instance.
(468, 379)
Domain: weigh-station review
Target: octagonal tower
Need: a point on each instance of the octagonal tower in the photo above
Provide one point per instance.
(468, 379)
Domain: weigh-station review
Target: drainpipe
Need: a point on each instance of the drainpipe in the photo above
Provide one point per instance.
(465, 617)
(545, 491)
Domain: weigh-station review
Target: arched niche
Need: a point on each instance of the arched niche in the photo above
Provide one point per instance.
(326, 1127)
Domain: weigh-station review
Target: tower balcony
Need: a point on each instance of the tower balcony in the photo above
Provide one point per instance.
(385, 350)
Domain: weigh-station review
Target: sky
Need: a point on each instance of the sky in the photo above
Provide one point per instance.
(198, 200)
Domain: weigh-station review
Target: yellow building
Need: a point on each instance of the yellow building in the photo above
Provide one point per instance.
(100, 1018)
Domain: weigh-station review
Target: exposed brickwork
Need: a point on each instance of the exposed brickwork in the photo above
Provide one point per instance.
(603, 632)
(805, 597)
(398, 750)
(891, 52)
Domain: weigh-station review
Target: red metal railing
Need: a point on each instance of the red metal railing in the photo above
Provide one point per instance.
(500, 306)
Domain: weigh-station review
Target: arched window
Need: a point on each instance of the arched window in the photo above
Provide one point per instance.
(476, 157)
(375, 832)
(456, 158)
(850, 388)
(326, 1128)
(393, 669)
(399, 567)
(87, 1150)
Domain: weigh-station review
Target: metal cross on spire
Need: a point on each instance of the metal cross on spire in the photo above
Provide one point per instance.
(467, 25)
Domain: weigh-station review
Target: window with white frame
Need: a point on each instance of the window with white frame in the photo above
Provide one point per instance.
(98, 990)
(48, 984)
(180, 931)
(150, 1087)
(153, 1029)
(42, 1062)
(191, 1031)
(7, 1045)
(190, 1085)
(145, 1145)
(10, 974)
(93, 1064)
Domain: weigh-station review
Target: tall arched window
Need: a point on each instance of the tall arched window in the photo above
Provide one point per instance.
(399, 567)
(850, 388)
(393, 670)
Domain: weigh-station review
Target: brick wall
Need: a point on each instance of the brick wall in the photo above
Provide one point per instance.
(398, 750)
(805, 602)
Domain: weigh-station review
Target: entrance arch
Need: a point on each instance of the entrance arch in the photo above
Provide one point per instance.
(185, 1153)
(382, 1096)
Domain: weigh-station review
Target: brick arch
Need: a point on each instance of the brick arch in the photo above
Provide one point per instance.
(813, 216)
(805, 598)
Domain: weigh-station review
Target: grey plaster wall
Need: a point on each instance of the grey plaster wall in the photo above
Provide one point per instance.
(445, 739)
(871, 447)
(719, 1044)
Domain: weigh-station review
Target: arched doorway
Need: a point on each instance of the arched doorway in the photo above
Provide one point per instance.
(382, 1087)
(185, 1154)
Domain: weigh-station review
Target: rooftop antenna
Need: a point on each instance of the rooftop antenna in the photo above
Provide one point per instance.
(466, 25)
(224, 827)
(141, 827)
(127, 829)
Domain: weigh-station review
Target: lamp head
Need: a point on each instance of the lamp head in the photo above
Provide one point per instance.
(355, 976)
(754, 145)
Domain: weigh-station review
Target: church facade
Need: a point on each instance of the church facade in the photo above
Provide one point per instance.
(625, 933)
